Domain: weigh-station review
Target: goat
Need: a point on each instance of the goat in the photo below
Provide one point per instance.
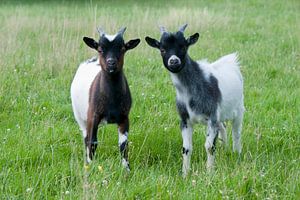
(211, 93)
(100, 92)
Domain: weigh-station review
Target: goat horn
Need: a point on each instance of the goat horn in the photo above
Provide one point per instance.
(162, 29)
(121, 31)
(100, 31)
(182, 28)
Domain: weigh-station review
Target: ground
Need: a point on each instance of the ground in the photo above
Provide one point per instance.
(41, 151)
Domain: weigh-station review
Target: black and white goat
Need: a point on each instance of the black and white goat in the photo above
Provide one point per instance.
(211, 93)
(100, 93)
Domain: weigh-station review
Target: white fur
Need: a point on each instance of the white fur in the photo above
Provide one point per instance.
(80, 87)
(88, 160)
(226, 71)
(230, 81)
(125, 164)
(211, 134)
(173, 57)
(223, 134)
(110, 37)
(122, 137)
(187, 136)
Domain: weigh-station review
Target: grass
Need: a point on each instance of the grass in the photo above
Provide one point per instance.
(41, 146)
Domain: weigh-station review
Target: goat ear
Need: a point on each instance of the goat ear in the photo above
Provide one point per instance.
(152, 42)
(132, 44)
(91, 42)
(192, 39)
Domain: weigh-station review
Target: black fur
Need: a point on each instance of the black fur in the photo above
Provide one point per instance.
(205, 94)
(112, 48)
(184, 115)
(111, 53)
(185, 151)
(173, 44)
(113, 99)
(123, 147)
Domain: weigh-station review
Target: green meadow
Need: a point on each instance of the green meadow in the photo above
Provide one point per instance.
(41, 147)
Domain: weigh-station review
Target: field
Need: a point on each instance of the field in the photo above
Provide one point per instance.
(41, 148)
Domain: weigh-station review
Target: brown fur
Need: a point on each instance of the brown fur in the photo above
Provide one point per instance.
(109, 95)
(109, 100)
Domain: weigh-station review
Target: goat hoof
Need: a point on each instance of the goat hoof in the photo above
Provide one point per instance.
(125, 164)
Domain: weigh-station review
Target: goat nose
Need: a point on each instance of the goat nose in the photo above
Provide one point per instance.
(111, 62)
(174, 61)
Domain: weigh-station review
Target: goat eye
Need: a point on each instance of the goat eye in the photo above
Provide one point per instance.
(163, 51)
(100, 50)
(182, 48)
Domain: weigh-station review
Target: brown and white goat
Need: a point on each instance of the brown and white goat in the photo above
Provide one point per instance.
(100, 93)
